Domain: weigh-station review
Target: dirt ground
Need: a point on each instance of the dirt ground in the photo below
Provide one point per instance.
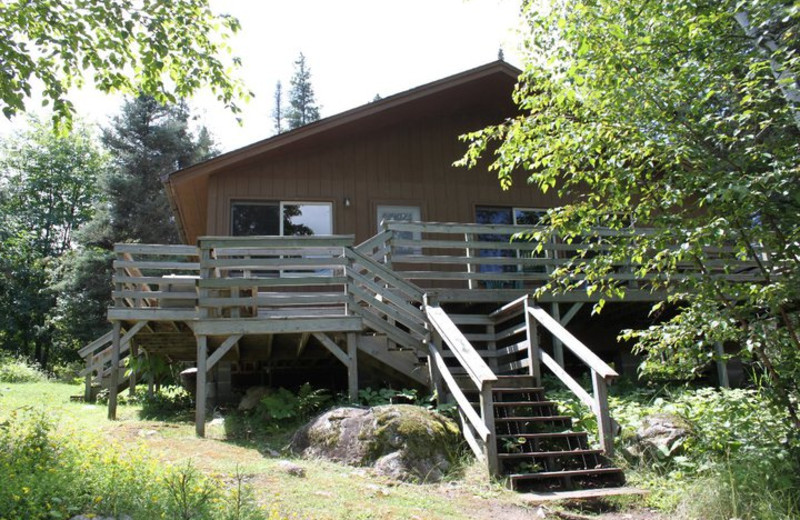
(171, 443)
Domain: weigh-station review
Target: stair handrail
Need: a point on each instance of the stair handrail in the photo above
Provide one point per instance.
(444, 330)
(602, 373)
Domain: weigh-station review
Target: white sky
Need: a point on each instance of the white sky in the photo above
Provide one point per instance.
(354, 48)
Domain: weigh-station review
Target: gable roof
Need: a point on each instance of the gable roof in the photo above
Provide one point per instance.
(491, 81)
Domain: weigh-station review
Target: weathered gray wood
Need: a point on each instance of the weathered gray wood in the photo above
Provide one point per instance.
(470, 319)
(487, 414)
(264, 242)
(153, 264)
(352, 366)
(516, 348)
(477, 368)
(200, 392)
(300, 281)
(303, 263)
(398, 301)
(571, 313)
(132, 376)
(376, 242)
(571, 342)
(112, 392)
(333, 348)
(156, 249)
(474, 443)
(414, 323)
(567, 379)
(227, 327)
(273, 300)
(534, 352)
(604, 428)
(380, 325)
(102, 341)
(386, 274)
(301, 345)
(463, 403)
(558, 347)
(722, 366)
(511, 332)
(127, 314)
(222, 350)
(404, 362)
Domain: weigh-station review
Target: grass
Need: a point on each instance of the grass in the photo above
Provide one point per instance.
(162, 447)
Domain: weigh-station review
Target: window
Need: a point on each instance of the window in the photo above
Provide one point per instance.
(281, 218)
(404, 214)
(506, 215)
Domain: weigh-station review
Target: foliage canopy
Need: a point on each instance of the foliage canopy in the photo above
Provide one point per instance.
(679, 116)
(168, 50)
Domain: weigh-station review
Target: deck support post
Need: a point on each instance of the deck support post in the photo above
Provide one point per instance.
(604, 424)
(200, 393)
(115, 348)
(534, 366)
(487, 414)
(87, 390)
(352, 367)
(558, 347)
(134, 356)
(722, 366)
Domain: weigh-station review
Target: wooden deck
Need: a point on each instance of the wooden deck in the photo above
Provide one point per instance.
(384, 298)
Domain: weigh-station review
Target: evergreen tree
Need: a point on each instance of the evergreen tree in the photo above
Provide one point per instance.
(147, 140)
(277, 112)
(303, 107)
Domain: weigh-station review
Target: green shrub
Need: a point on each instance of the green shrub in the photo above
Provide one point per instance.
(169, 402)
(283, 404)
(48, 476)
(18, 370)
(738, 461)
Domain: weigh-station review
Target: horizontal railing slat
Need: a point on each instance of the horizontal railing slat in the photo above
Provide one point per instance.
(572, 343)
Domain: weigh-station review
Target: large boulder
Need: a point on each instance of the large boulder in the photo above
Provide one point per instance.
(660, 436)
(403, 442)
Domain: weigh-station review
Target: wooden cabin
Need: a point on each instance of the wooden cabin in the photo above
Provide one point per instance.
(350, 252)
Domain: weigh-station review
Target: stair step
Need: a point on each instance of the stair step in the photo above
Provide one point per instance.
(542, 435)
(521, 403)
(515, 390)
(540, 418)
(559, 474)
(544, 454)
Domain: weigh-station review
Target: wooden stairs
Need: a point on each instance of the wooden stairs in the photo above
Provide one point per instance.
(540, 450)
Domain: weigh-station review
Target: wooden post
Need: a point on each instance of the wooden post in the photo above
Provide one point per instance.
(722, 366)
(112, 392)
(534, 367)
(134, 355)
(558, 347)
(437, 384)
(200, 393)
(487, 414)
(604, 428)
(87, 390)
(352, 368)
(471, 284)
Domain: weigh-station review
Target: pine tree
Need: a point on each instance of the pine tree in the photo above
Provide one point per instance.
(146, 141)
(302, 104)
(277, 111)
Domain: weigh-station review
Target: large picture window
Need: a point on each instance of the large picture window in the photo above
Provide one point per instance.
(286, 218)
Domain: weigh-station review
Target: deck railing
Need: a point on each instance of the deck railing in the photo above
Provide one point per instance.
(261, 277)
(484, 260)
(478, 430)
(154, 281)
(520, 321)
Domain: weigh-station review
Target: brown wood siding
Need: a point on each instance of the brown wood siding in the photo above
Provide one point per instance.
(406, 164)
